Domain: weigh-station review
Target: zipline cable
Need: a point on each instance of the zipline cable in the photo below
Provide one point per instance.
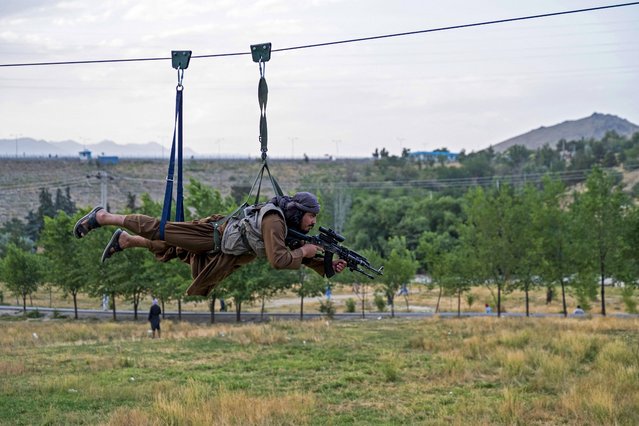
(332, 43)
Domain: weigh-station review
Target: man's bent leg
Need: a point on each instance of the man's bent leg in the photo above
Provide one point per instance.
(194, 236)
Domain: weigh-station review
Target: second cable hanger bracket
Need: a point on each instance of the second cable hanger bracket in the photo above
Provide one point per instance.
(180, 59)
(261, 52)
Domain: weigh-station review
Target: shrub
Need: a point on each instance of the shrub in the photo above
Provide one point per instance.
(33, 314)
(327, 308)
(470, 299)
(627, 295)
(350, 305)
(58, 315)
(380, 303)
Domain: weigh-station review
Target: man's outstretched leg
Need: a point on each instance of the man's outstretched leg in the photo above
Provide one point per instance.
(95, 219)
(196, 237)
(121, 240)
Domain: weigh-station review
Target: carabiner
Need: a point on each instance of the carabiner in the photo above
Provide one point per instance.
(180, 73)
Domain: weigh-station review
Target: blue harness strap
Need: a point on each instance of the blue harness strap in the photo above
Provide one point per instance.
(168, 191)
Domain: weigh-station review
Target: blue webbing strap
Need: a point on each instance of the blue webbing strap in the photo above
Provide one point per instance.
(168, 192)
(179, 206)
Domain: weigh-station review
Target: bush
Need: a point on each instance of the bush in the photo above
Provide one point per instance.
(380, 303)
(33, 314)
(58, 315)
(327, 308)
(350, 305)
(627, 295)
(470, 299)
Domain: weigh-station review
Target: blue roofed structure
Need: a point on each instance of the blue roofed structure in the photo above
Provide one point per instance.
(434, 156)
(107, 160)
(85, 154)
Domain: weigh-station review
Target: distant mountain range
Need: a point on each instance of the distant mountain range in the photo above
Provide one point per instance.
(593, 127)
(27, 147)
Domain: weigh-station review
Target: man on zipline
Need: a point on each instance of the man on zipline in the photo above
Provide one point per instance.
(215, 247)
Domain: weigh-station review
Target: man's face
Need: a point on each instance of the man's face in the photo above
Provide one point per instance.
(308, 221)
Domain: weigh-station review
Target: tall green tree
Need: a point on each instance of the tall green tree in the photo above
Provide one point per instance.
(493, 234)
(135, 279)
(273, 283)
(35, 220)
(400, 267)
(244, 284)
(309, 284)
(432, 251)
(168, 280)
(14, 231)
(526, 243)
(205, 201)
(63, 201)
(600, 212)
(630, 252)
(22, 271)
(550, 219)
(64, 252)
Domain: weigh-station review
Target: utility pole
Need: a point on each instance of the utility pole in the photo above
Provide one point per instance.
(341, 205)
(218, 141)
(293, 140)
(337, 142)
(103, 176)
(15, 139)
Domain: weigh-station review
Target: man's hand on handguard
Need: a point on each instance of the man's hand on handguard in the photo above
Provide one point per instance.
(339, 265)
(311, 250)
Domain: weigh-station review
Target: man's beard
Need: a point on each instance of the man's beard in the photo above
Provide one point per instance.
(301, 231)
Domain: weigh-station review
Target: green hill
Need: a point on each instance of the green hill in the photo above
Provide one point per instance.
(22, 179)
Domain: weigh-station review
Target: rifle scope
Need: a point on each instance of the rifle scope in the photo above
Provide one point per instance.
(334, 235)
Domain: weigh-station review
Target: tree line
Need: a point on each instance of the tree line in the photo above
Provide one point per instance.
(525, 236)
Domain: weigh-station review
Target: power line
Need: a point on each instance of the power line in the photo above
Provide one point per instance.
(332, 43)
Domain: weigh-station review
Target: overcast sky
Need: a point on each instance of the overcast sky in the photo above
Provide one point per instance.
(461, 89)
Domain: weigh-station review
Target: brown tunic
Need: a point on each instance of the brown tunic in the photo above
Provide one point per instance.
(191, 242)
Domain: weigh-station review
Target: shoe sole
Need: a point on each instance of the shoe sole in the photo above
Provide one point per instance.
(115, 240)
(86, 217)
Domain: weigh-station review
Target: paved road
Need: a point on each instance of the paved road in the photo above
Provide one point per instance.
(205, 317)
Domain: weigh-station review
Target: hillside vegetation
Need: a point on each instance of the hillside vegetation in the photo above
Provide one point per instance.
(22, 180)
(511, 221)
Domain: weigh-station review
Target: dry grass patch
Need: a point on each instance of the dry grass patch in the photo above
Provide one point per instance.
(49, 333)
(198, 404)
(8, 368)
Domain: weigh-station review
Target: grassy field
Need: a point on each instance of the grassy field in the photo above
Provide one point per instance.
(433, 371)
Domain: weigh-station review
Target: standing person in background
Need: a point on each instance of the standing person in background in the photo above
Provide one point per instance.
(154, 317)
(105, 302)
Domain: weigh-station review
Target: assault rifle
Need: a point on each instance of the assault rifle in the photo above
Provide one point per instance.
(329, 241)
